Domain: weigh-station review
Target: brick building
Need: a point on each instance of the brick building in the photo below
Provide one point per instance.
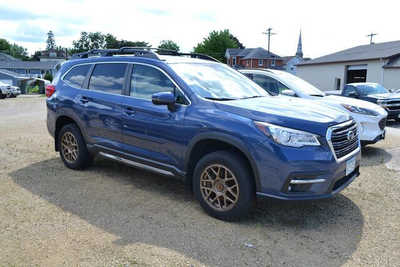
(252, 58)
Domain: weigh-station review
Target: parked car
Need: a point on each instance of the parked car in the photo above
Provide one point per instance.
(189, 116)
(375, 93)
(370, 117)
(4, 90)
(14, 91)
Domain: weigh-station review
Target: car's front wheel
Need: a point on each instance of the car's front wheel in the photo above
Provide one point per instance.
(224, 186)
(72, 146)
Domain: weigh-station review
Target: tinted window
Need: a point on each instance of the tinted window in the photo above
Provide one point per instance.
(371, 89)
(348, 89)
(147, 81)
(271, 85)
(108, 77)
(77, 75)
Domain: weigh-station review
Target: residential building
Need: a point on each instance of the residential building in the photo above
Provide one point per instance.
(33, 69)
(377, 62)
(250, 58)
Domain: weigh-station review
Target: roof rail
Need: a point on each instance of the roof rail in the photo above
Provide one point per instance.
(149, 52)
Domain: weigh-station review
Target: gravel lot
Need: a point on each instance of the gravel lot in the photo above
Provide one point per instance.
(113, 215)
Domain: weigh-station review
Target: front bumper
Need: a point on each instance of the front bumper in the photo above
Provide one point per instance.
(372, 128)
(311, 164)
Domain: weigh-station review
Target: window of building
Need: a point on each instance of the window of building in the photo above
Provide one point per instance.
(233, 61)
(260, 62)
(273, 62)
(77, 75)
(108, 77)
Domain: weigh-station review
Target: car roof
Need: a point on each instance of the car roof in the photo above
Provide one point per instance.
(260, 71)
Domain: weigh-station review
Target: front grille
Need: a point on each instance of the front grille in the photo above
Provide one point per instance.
(382, 123)
(393, 105)
(343, 138)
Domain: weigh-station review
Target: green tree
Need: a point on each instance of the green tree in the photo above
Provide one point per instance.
(215, 44)
(4, 45)
(18, 52)
(48, 76)
(169, 44)
(235, 39)
(51, 43)
(88, 41)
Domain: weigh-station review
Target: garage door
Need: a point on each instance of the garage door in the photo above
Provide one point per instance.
(356, 74)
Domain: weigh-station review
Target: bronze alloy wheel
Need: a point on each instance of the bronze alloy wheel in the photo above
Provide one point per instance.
(69, 147)
(219, 187)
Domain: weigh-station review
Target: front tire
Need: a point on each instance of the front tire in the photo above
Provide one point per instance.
(73, 150)
(224, 186)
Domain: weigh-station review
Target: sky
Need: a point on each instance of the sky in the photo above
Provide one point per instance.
(327, 26)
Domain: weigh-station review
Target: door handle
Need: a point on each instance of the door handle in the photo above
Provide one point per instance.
(130, 111)
(84, 99)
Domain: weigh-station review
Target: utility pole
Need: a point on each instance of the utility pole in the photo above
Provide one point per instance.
(371, 36)
(269, 33)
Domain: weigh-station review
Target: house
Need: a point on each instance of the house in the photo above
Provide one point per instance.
(33, 69)
(53, 55)
(377, 62)
(249, 58)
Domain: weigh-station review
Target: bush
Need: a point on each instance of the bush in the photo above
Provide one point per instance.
(48, 76)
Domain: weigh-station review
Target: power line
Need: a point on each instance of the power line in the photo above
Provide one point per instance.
(269, 33)
(371, 35)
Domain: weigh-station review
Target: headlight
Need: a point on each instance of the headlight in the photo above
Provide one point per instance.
(286, 136)
(359, 110)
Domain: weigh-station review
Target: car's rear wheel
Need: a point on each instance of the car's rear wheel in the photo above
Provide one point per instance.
(224, 186)
(73, 150)
(2, 96)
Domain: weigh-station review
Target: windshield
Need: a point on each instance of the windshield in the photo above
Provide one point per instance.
(217, 81)
(299, 85)
(372, 89)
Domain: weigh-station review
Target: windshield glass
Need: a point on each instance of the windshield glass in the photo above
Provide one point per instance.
(372, 89)
(217, 81)
(299, 85)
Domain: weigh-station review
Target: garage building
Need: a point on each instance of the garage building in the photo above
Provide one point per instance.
(378, 63)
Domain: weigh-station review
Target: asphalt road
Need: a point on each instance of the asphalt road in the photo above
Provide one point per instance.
(114, 215)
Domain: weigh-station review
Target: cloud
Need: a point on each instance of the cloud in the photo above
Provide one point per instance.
(206, 16)
(7, 13)
(156, 11)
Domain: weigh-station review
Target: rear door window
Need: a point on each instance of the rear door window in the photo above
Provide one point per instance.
(108, 77)
(77, 75)
(269, 84)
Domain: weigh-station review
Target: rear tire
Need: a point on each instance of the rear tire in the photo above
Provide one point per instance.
(2, 96)
(73, 149)
(224, 186)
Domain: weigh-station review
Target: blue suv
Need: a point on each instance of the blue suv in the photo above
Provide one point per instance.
(188, 116)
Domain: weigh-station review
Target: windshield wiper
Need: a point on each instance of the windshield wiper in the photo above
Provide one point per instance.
(254, 96)
(220, 99)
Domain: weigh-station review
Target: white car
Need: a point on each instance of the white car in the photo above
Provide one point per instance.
(5, 90)
(370, 117)
(14, 91)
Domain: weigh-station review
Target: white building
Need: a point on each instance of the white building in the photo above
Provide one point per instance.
(378, 63)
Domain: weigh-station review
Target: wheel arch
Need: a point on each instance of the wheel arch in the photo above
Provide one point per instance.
(211, 142)
(61, 122)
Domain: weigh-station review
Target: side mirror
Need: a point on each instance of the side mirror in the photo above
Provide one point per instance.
(163, 98)
(288, 92)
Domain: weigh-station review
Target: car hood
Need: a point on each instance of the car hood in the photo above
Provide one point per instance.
(354, 102)
(296, 113)
(385, 96)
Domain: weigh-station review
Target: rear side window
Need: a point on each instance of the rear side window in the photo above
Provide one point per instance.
(77, 75)
(269, 84)
(108, 77)
(348, 89)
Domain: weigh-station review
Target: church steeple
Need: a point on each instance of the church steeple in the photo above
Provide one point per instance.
(299, 52)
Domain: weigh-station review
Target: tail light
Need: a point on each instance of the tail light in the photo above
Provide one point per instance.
(50, 89)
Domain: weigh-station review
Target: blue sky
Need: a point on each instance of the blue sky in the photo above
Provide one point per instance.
(327, 26)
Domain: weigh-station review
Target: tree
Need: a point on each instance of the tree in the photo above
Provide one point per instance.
(51, 43)
(235, 39)
(48, 76)
(169, 44)
(216, 44)
(18, 52)
(88, 41)
(4, 45)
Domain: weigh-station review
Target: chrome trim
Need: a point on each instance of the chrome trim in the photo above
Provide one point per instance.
(136, 164)
(126, 62)
(328, 139)
(308, 181)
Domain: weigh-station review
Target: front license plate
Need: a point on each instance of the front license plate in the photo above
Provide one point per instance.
(350, 166)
